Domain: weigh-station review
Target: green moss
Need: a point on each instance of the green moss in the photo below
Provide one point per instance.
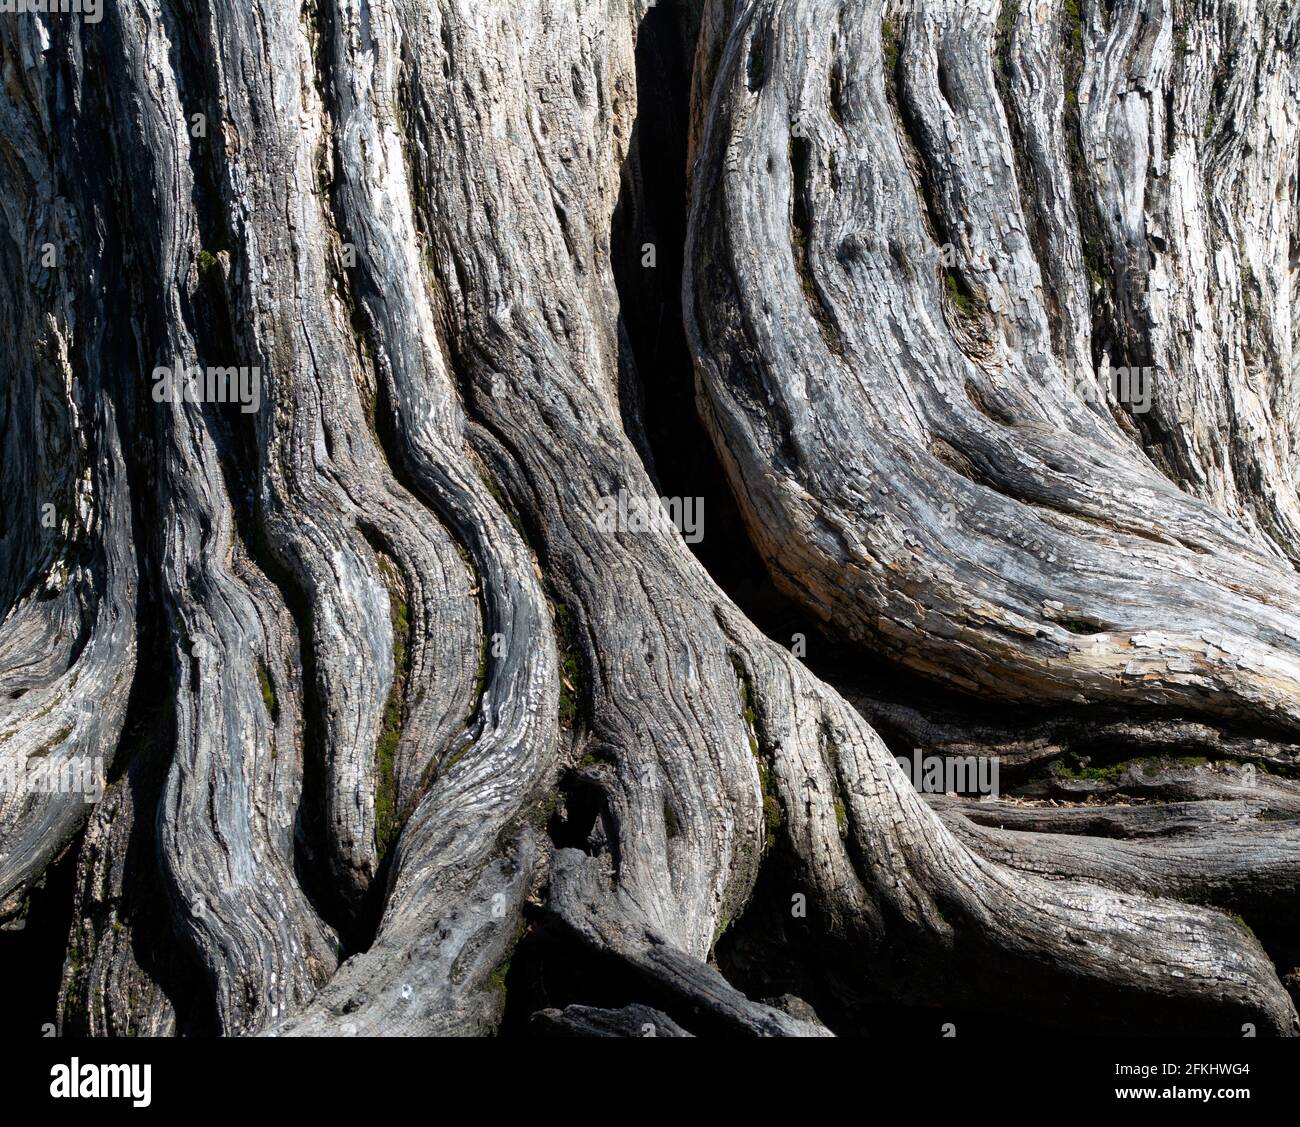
(748, 714)
(45, 749)
(390, 735)
(542, 812)
(771, 806)
(1092, 261)
(268, 692)
(841, 816)
(1078, 626)
(386, 790)
(960, 298)
(1073, 767)
(889, 39)
(1074, 25)
(1007, 16)
(771, 819)
(1072, 52)
(499, 495)
(568, 696)
(570, 669)
(497, 980)
(208, 260)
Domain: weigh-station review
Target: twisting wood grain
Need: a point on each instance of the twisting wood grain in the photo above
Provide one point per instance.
(392, 702)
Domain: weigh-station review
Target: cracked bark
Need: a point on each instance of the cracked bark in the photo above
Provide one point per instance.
(398, 724)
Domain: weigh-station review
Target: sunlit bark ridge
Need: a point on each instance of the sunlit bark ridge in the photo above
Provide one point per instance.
(988, 327)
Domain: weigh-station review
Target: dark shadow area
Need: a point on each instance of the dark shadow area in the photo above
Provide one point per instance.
(31, 959)
(773, 951)
(766, 952)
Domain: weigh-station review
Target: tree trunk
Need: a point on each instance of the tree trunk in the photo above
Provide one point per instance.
(971, 326)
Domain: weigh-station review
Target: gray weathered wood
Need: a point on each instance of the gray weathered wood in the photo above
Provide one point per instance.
(388, 701)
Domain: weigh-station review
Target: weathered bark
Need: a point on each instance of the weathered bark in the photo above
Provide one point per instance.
(584, 1021)
(68, 569)
(405, 695)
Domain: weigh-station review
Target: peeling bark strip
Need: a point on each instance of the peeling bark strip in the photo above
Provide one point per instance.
(354, 513)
